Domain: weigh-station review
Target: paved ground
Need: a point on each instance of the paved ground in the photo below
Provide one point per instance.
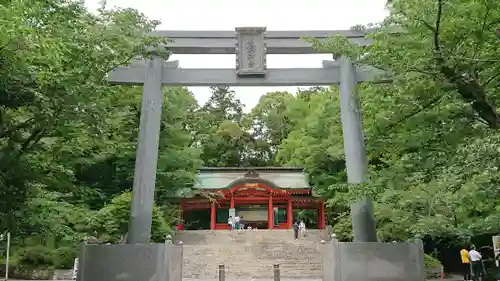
(250, 279)
(451, 278)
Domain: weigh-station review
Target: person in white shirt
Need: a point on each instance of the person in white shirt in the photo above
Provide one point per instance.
(497, 261)
(302, 228)
(237, 223)
(475, 263)
(230, 222)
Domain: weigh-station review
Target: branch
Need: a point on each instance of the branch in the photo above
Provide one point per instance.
(40, 132)
(7, 44)
(434, 30)
(476, 59)
(483, 27)
(34, 138)
(421, 21)
(491, 79)
(472, 92)
(23, 125)
(422, 108)
(126, 60)
(438, 24)
(428, 26)
(481, 120)
(422, 71)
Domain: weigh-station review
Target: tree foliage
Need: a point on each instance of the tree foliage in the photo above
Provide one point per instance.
(67, 137)
(110, 223)
(431, 133)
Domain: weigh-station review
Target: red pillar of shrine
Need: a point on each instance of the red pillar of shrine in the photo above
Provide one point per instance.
(212, 215)
(322, 219)
(289, 214)
(180, 225)
(270, 213)
(231, 203)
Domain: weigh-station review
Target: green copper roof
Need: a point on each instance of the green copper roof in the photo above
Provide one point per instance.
(278, 177)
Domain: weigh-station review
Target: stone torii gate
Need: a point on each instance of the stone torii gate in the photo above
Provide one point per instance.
(251, 45)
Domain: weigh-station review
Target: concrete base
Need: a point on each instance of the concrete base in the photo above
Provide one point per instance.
(130, 262)
(373, 261)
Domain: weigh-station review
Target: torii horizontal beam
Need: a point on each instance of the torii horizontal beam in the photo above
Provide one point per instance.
(277, 42)
(173, 76)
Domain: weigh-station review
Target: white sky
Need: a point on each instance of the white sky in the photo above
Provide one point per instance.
(273, 14)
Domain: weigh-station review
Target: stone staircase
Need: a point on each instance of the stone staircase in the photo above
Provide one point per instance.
(251, 253)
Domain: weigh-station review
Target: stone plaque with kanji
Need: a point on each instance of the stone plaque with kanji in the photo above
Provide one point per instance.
(251, 51)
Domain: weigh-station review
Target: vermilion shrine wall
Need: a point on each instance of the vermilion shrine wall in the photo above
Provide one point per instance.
(256, 194)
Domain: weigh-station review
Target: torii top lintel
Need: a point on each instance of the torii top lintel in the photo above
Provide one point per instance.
(251, 45)
(277, 42)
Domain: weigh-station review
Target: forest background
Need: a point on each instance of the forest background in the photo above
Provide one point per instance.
(68, 138)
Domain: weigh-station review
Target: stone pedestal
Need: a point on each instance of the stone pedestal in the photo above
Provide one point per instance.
(373, 261)
(130, 262)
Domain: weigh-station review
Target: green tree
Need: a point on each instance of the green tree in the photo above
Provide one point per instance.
(428, 133)
(222, 105)
(54, 61)
(222, 136)
(68, 138)
(111, 222)
(269, 123)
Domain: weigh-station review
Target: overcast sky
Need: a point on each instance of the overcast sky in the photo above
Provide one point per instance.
(273, 14)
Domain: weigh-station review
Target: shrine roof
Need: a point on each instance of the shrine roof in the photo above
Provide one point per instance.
(227, 177)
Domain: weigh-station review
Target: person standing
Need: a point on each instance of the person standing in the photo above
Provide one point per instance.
(497, 262)
(295, 229)
(242, 223)
(464, 255)
(230, 222)
(302, 228)
(237, 222)
(475, 259)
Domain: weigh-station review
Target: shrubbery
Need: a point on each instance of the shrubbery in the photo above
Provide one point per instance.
(107, 225)
(432, 267)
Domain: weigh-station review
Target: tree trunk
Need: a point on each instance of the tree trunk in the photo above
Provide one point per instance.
(472, 92)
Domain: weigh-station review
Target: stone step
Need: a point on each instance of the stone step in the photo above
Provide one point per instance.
(244, 264)
(251, 254)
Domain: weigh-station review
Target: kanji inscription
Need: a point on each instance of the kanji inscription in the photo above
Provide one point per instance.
(250, 51)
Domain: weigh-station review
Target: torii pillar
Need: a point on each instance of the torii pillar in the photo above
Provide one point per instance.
(143, 192)
(363, 219)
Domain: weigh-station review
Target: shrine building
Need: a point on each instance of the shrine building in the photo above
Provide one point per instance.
(265, 198)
